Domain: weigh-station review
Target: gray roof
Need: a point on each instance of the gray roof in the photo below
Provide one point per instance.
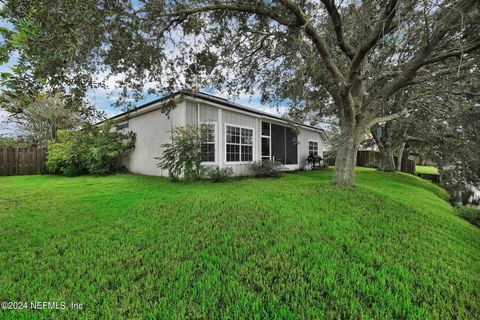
(215, 99)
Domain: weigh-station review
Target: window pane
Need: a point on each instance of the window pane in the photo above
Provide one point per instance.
(247, 153)
(233, 152)
(208, 143)
(211, 134)
(247, 136)
(265, 147)
(313, 148)
(239, 144)
(265, 129)
(233, 135)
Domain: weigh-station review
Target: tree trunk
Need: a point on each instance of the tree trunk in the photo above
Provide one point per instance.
(387, 161)
(346, 158)
(400, 156)
(382, 138)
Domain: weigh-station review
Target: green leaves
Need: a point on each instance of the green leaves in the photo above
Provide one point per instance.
(24, 35)
(5, 76)
(95, 150)
(183, 157)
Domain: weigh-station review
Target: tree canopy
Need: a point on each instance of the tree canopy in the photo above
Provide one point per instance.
(350, 59)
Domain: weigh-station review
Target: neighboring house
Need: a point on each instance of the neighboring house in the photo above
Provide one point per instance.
(239, 135)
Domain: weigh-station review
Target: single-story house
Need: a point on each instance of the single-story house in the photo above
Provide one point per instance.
(238, 135)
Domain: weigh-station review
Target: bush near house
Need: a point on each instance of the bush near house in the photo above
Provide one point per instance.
(265, 168)
(220, 174)
(184, 155)
(96, 150)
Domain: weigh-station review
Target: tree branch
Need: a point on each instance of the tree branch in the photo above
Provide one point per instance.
(238, 7)
(380, 29)
(409, 73)
(389, 117)
(300, 20)
(449, 54)
(318, 42)
(414, 139)
(337, 25)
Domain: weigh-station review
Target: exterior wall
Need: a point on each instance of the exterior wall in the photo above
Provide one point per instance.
(304, 136)
(246, 121)
(201, 112)
(152, 130)
(204, 113)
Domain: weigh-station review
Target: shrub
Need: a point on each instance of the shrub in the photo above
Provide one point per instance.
(470, 213)
(220, 175)
(183, 157)
(266, 168)
(95, 150)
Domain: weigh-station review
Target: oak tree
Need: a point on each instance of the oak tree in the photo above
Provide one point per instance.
(347, 58)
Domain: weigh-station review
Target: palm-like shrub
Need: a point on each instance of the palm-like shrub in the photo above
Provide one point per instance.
(183, 156)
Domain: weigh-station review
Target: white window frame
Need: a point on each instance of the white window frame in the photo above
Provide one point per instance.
(318, 146)
(215, 123)
(225, 144)
(269, 137)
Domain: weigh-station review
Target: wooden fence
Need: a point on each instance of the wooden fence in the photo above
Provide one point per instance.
(372, 159)
(19, 161)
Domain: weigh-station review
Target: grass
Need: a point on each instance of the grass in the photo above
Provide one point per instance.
(426, 169)
(129, 246)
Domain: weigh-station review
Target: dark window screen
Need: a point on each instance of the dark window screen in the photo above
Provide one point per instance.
(291, 146)
(265, 129)
(278, 143)
(265, 147)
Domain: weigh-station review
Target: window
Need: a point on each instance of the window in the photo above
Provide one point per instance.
(122, 126)
(266, 129)
(265, 140)
(239, 144)
(208, 143)
(265, 148)
(313, 148)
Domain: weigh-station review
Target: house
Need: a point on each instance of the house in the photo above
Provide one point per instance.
(238, 134)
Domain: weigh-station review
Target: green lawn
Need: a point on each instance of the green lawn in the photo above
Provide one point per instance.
(129, 246)
(426, 169)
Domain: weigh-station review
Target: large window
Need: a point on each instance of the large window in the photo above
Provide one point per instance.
(208, 142)
(239, 144)
(313, 148)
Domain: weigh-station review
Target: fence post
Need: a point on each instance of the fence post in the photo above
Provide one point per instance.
(4, 163)
(15, 160)
(35, 161)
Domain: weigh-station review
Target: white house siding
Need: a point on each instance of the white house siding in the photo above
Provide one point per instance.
(152, 129)
(247, 121)
(207, 113)
(304, 136)
(202, 112)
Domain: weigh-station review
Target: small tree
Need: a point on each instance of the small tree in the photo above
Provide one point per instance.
(43, 117)
(95, 150)
(183, 156)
